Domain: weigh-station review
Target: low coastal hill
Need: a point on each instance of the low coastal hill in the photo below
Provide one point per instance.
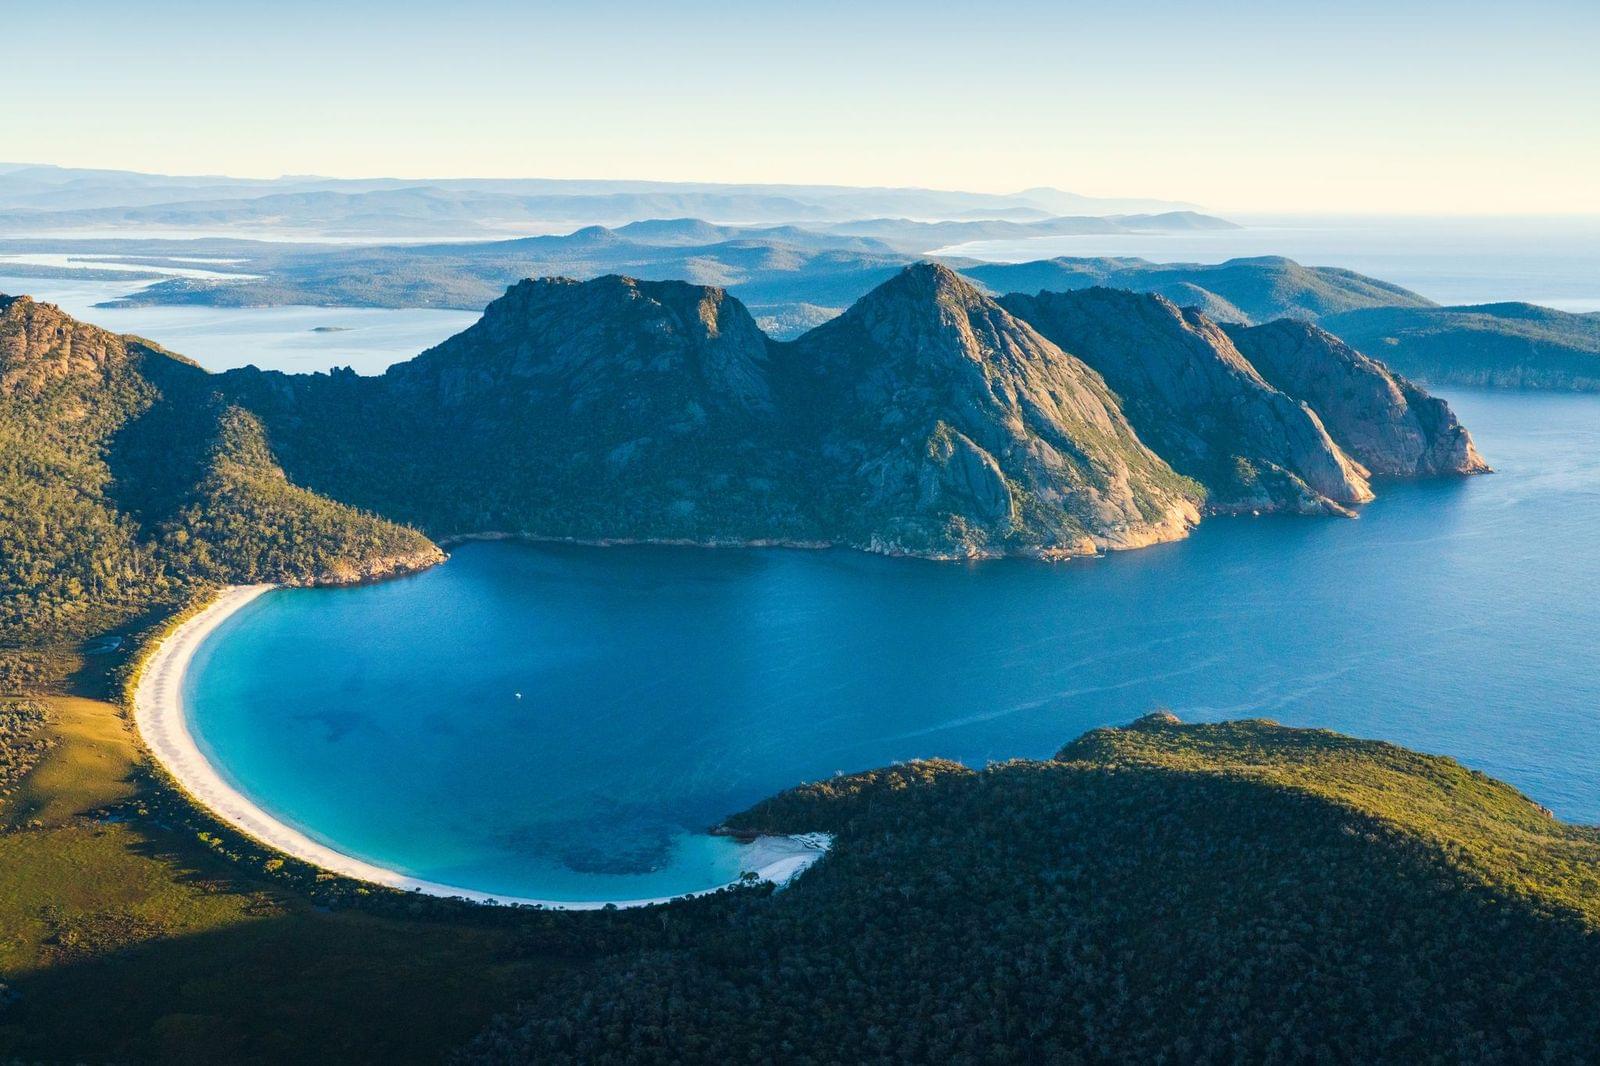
(1162, 892)
(1249, 290)
(126, 478)
(1507, 345)
(1236, 891)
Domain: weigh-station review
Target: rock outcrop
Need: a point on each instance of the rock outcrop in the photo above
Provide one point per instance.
(1199, 403)
(943, 425)
(1391, 425)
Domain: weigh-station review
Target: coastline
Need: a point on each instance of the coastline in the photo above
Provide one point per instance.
(163, 728)
(1039, 554)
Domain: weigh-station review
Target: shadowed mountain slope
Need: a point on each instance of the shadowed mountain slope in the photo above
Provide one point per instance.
(1200, 403)
(1389, 424)
(126, 477)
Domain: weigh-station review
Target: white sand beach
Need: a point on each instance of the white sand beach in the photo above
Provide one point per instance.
(162, 723)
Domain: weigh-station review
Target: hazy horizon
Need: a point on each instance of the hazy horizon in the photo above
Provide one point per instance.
(1422, 108)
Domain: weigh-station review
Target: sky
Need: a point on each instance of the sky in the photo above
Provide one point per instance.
(1354, 106)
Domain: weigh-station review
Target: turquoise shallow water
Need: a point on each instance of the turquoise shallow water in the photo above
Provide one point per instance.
(662, 688)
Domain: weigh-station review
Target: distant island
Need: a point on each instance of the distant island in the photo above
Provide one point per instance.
(792, 277)
(927, 420)
(795, 277)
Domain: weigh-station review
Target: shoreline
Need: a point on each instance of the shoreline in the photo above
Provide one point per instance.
(1049, 555)
(163, 727)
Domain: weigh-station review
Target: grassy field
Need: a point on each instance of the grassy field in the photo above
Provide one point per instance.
(125, 936)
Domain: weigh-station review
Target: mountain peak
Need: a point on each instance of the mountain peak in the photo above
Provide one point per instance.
(927, 278)
(965, 432)
(923, 295)
(655, 343)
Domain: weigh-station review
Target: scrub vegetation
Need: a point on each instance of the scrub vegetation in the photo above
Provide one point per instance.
(1160, 893)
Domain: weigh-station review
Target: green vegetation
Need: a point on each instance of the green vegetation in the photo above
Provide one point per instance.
(21, 743)
(1214, 892)
(129, 938)
(1509, 345)
(126, 483)
(1156, 893)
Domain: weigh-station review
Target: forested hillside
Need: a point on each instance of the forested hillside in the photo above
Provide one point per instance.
(1160, 893)
(1506, 345)
(127, 479)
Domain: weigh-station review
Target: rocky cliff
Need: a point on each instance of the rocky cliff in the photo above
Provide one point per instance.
(614, 408)
(1391, 425)
(1199, 403)
(941, 424)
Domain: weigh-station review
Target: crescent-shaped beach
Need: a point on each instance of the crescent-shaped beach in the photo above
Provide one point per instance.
(163, 726)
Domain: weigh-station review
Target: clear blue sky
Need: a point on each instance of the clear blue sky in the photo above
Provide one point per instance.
(1247, 106)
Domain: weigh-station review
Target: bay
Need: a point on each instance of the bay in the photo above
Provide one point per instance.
(563, 722)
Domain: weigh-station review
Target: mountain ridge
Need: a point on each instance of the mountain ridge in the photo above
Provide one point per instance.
(928, 420)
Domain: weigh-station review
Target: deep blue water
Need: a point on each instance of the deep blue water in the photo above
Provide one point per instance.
(663, 688)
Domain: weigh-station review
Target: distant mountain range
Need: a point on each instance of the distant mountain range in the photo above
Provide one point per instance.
(928, 419)
(795, 277)
(792, 278)
(37, 199)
